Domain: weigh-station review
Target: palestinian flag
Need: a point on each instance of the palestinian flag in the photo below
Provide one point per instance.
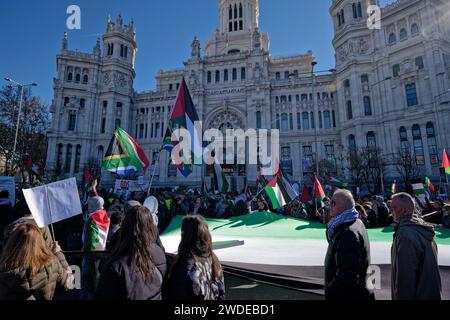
(32, 169)
(220, 180)
(124, 156)
(96, 232)
(319, 194)
(306, 196)
(418, 188)
(86, 183)
(184, 116)
(429, 185)
(275, 190)
(336, 182)
(394, 187)
(290, 194)
(446, 162)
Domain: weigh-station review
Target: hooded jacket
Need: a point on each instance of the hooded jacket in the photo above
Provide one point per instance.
(414, 256)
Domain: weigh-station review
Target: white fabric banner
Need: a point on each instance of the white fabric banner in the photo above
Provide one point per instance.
(54, 202)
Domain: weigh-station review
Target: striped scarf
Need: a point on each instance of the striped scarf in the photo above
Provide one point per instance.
(349, 215)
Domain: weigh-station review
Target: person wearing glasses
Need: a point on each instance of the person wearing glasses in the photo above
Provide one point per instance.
(348, 255)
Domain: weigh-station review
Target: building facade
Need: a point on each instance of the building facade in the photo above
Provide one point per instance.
(389, 89)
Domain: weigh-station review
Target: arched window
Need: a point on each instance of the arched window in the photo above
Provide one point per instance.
(258, 120)
(396, 70)
(313, 123)
(418, 145)
(235, 12)
(243, 73)
(217, 76)
(359, 10)
(304, 97)
(209, 77)
(68, 158)
(404, 144)
(351, 142)
(234, 74)
(367, 106)
(326, 120)
(278, 122)
(77, 159)
(432, 146)
(364, 79)
(342, 16)
(284, 123)
(240, 10)
(230, 13)
(118, 123)
(392, 38)
(334, 118)
(225, 75)
(403, 34)
(305, 118)
(78, 78)
(355, 12)
(85, 79)
(299, 121)
(411, 94)
(349, 110)
(70, 76)
(371, 139)
(414, 29)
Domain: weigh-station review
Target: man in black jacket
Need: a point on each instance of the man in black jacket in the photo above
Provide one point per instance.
(415, 269)
(348, 255)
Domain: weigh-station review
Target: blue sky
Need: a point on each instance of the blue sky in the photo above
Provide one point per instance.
(31, 33)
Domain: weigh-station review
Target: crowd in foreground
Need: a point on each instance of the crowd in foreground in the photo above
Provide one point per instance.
(33, 266)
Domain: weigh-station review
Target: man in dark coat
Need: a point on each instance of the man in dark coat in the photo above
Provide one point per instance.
(348, 255)
(415, 270)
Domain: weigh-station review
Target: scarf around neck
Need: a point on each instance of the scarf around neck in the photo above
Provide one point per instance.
(347, 216)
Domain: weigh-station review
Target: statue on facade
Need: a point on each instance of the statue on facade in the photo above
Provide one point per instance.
(195, 52)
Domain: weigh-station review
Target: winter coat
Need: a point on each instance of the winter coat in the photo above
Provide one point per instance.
(414, 256)
(192, 279)
(122, 280)
(346, 263)
(18, 285)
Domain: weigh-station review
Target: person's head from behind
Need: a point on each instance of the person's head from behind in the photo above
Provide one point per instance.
(95, 204)
(136, 238)
(116, 217)
(225, 204)
(4, 194)
(196, 241)
(402, 207)
(25, 249)
(136, 195)
(341, 201)
(362, 212)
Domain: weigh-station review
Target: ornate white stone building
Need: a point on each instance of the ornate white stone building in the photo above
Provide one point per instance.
(384, 90)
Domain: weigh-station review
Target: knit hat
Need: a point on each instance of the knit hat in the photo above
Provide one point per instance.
(151, 203)
(95, 204)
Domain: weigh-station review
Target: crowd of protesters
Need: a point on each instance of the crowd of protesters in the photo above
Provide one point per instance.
(32, 265)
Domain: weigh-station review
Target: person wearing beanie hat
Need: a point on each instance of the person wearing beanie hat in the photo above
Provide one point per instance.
(151, 203)
(95, 234)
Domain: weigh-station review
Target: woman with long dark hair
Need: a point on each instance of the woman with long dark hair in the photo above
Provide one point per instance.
(197, 273)
(137, 265)
(29, 269)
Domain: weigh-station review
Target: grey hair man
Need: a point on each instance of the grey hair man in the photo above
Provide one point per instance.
(348, 255)
(414, 254)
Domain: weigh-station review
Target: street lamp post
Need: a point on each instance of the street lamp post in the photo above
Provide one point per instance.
(21, 86)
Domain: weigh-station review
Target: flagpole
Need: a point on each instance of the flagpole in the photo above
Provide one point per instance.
(153, 173)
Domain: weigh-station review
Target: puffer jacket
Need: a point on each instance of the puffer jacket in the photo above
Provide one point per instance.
(415, 269)
(18, 285)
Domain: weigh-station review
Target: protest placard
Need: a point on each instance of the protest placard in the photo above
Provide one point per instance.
(54, 202)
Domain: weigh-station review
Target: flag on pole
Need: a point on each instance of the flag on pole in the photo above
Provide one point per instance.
(124, 156)
(306, 196)
(394, 187)
(274, 190)
(290, 191)
(220, 180)
(429, 185)
(446, 162)
(86, 183)
(319, 194)
(336, 182)
(184, 116)
(418, 188)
